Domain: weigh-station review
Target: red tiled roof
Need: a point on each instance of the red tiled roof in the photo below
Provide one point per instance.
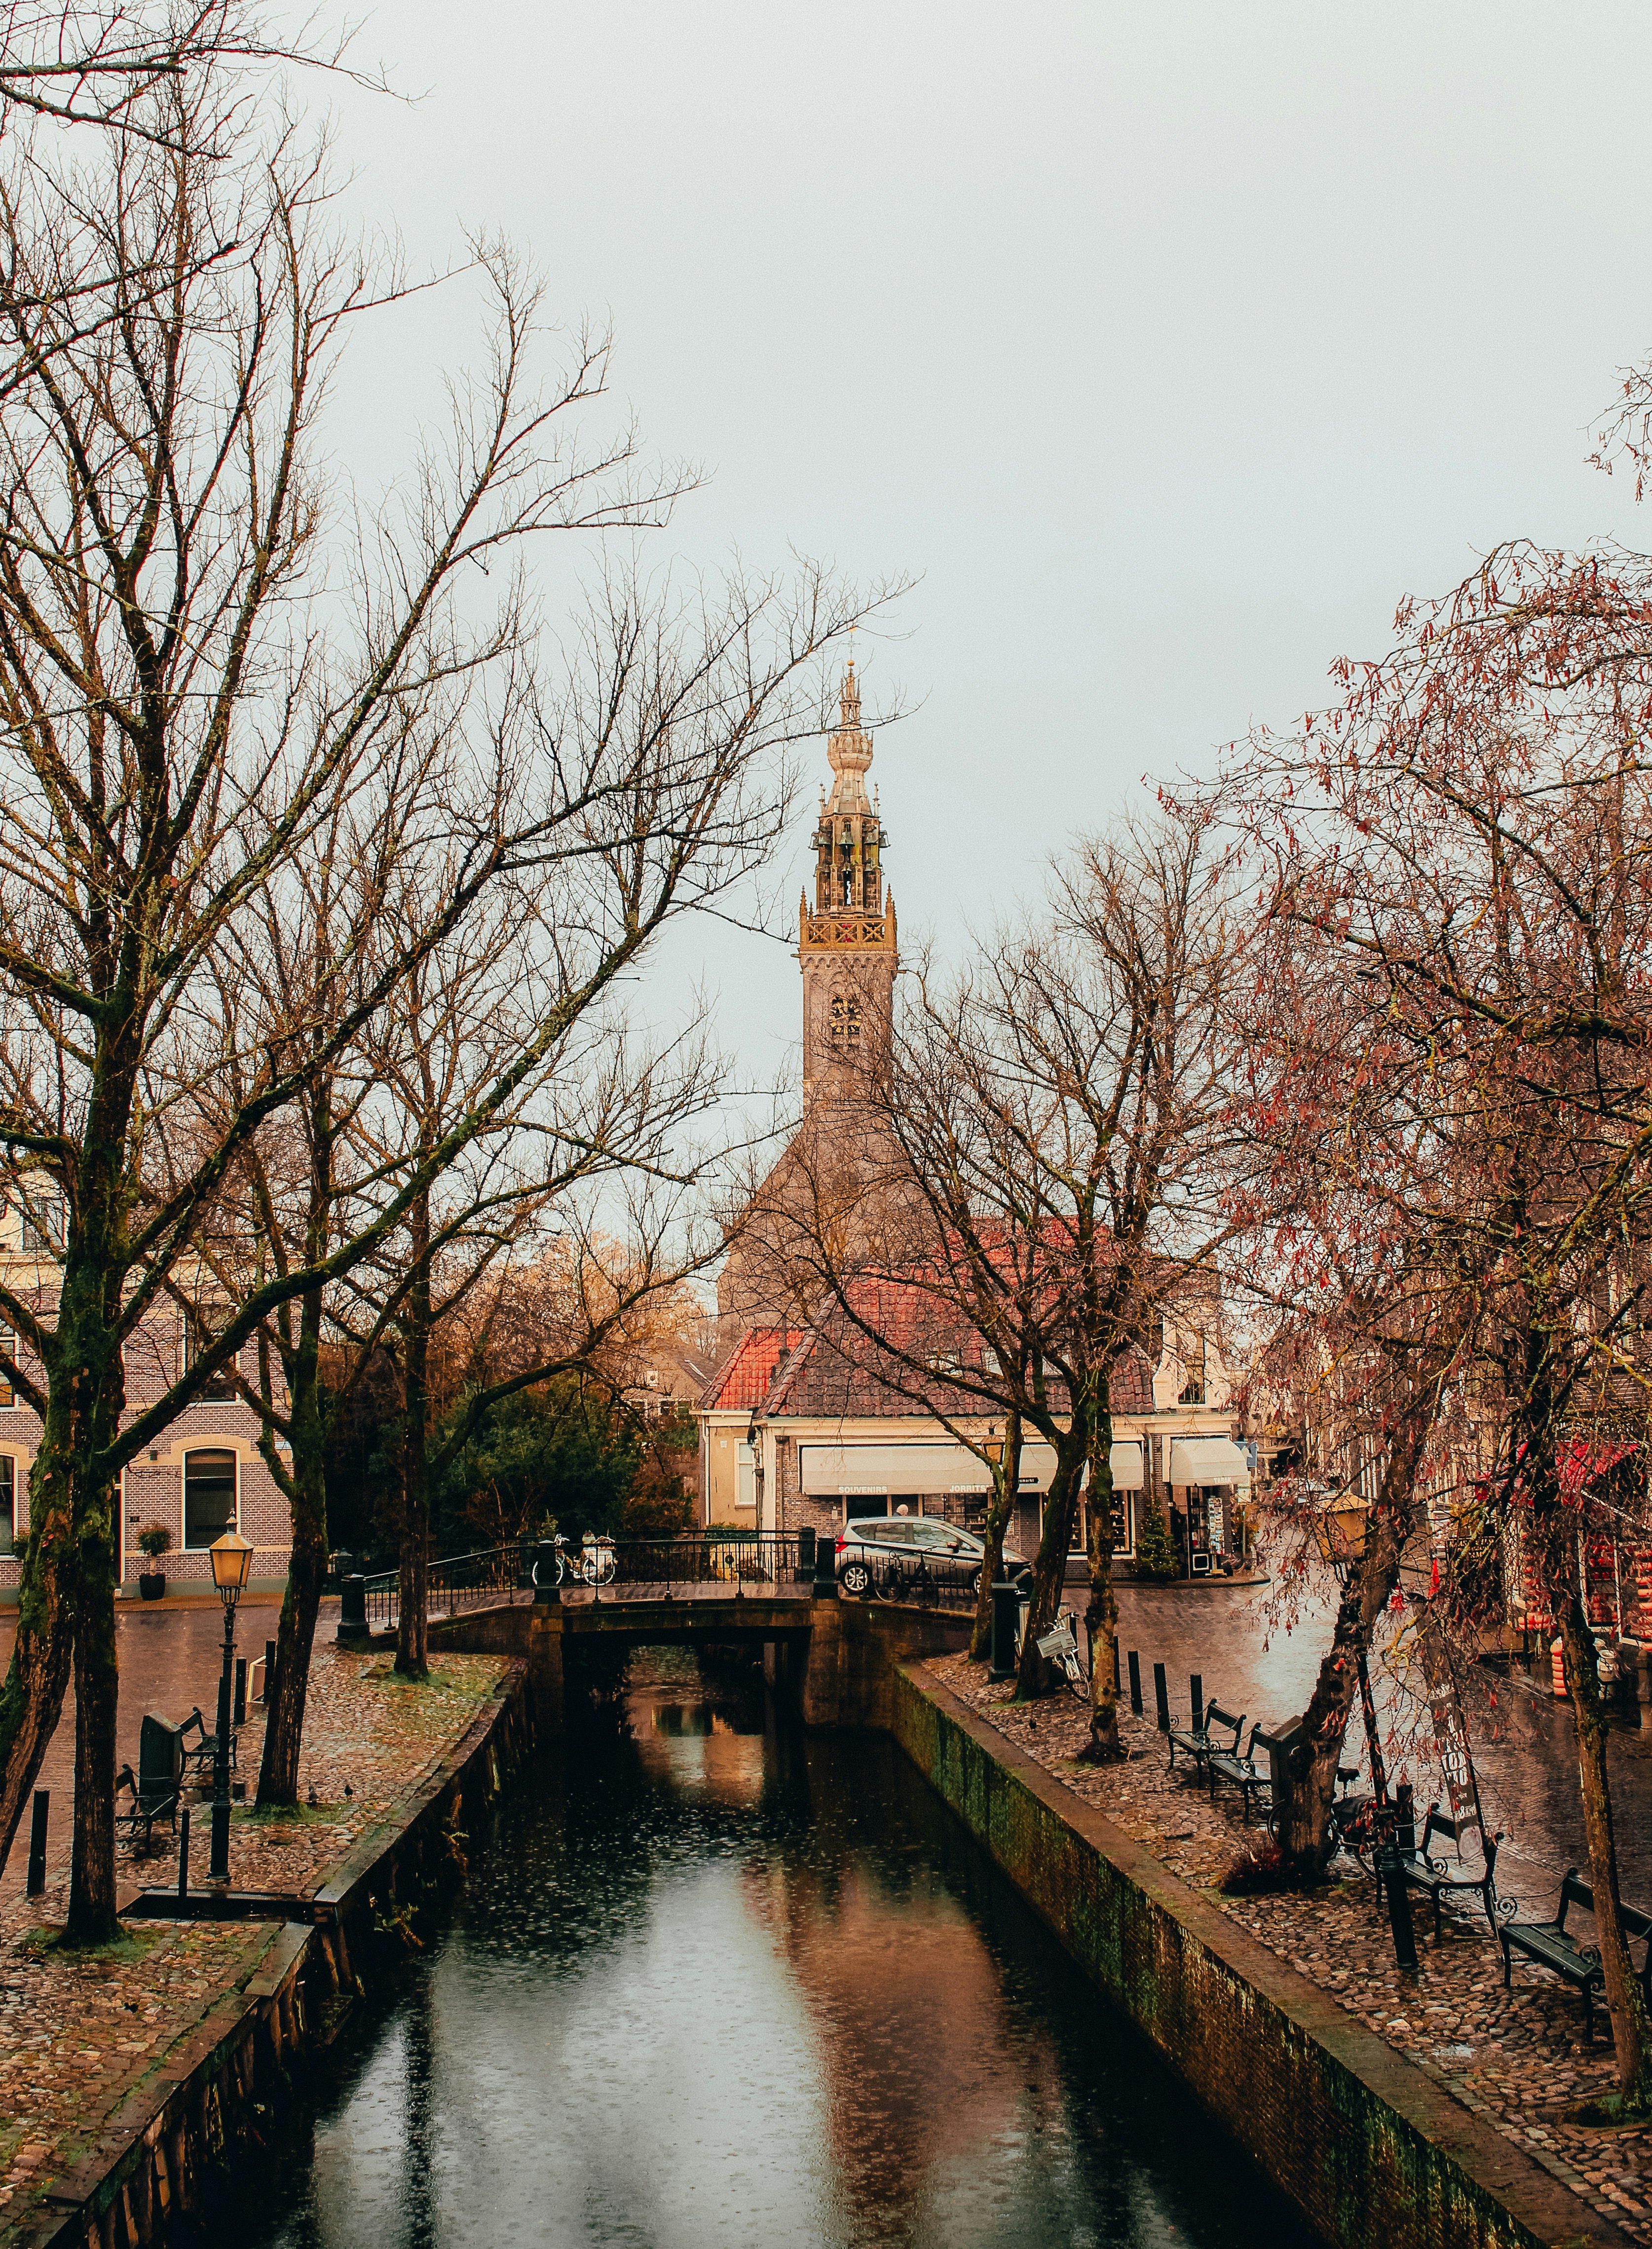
(744, 1381)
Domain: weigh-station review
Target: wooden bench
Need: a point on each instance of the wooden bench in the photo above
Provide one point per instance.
(160, 1781)
(1547, 1943)
(200, 1755)
(1422, 1871)
(1240, 1772)
(1197, 1740)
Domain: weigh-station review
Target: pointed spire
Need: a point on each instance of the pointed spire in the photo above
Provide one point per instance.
(849, 750)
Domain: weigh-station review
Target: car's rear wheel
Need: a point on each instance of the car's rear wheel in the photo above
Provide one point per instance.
(975, 1586)
(856, 1579)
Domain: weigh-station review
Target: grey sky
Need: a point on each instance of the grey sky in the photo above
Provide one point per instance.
(1167, 345)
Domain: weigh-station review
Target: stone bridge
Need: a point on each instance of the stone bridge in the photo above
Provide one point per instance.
(835, 1656)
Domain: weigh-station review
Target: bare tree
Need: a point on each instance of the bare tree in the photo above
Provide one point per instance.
(166, 526)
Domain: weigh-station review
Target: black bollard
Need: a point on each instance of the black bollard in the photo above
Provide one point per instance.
(825, 1587)
(1161, 1698)
(1136, 1682)
(352, 1612)
(1405, 1943)
(241, 1690)
(546, 1587)
(805, 1554)
(1195, 1699)
(1006, 1602)
(183, 1853)
(37, 1842)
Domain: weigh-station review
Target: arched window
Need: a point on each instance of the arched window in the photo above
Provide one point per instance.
(208, 1497)
(7, 1503)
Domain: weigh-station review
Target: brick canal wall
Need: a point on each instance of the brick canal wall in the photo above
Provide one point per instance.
(169, 2149)
(1375, 2153)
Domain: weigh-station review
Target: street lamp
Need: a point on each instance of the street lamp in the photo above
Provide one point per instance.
(231, 1559)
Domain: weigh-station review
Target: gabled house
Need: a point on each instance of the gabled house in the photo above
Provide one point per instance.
(814, 1427)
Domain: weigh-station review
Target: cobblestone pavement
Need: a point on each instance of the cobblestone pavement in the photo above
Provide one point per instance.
(79, 2034)
(1516, 2058)
(1260, 1657)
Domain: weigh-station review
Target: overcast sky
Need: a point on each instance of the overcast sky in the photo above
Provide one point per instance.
(1168, 347)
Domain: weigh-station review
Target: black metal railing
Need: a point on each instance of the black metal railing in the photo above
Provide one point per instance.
(458, 1583)
(726, 1566)
(921, 1582)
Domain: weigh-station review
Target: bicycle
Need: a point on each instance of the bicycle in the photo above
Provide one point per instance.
(1059, 1645)
(593, 1564)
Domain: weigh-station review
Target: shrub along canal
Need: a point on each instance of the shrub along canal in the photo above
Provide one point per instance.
(713, 1981)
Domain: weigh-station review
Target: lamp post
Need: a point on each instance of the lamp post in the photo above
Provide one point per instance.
(231, 1559)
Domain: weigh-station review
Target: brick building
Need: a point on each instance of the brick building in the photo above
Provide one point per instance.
(203, 1477)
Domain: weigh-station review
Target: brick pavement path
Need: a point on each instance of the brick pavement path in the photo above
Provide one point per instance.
(170, 1654)
(1516, 2058)
(79, 2035)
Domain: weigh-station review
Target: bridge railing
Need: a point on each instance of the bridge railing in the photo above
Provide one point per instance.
(704, 1565)
(921, 1583)
(456, 1584)
(699, 1565)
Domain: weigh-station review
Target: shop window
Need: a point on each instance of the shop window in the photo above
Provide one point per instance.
(7, 1503)
(208, 1497)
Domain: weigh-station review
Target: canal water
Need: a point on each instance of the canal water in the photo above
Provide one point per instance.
(710, 1982)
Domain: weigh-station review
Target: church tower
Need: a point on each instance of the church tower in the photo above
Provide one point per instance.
(846, 944)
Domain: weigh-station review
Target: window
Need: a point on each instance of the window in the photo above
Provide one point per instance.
(9, 1345)
(42, 1222)
(7, 1503)
(746, 1495)
(220, 1385)
(208, 1497)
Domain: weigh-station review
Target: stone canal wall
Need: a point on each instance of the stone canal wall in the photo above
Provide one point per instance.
(1375, 2153)
(170, 2146)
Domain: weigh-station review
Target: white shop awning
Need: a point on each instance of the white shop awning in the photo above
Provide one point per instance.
(893, 1469)
(1127, 1465)
(1207, 1460)
(1037, 1466)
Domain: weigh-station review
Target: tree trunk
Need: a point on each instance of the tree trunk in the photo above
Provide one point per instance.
(43, 1653)
(1617, 1972)
(1302, 1824)
(412, 1651)
(96, 1686)
(1101, 1617)
(1049, 1575)
(1006, 1485)
(307, 1495)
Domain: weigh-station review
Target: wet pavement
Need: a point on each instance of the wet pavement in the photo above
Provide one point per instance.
(1259, 1654)
(170, 1654)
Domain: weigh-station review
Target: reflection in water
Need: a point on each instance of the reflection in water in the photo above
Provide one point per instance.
(713, 1983)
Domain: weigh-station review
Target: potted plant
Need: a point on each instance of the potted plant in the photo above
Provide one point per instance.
(154, 1540)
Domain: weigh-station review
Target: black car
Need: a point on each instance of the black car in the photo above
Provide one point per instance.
(880, 1553)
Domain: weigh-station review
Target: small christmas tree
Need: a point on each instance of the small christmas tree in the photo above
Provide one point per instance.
(1156, 1558)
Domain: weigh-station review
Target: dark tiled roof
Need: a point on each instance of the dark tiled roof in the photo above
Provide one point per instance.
(838, 1370)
